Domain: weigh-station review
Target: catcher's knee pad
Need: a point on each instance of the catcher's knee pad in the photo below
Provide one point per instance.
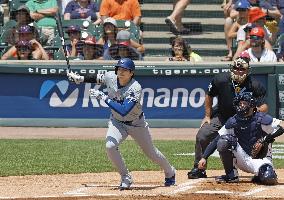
(267, 175)
(227, 142)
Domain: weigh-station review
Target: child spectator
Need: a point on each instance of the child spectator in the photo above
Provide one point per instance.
(91, 50)
(26, 50)
(109, 36)
(82, 9)
(26, 33)
(75, 48)
(126, 47)
(179, 50)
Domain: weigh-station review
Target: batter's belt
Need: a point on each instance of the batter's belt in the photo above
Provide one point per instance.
(129, 123)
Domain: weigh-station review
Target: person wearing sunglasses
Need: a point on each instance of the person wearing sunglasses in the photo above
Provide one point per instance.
(257, 51)
(225, 87)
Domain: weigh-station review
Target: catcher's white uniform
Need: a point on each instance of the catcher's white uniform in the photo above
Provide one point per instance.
(244, 161)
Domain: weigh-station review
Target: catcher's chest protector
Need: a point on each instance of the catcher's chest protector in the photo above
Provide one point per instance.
(248, 131)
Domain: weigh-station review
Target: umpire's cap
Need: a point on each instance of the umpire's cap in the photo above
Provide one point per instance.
(126, 63)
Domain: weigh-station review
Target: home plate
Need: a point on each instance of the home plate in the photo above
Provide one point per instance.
(214, 192)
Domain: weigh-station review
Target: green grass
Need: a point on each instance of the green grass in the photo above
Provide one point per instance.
(23, 157)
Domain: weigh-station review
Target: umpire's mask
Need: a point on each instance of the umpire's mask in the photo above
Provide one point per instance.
(240, 68)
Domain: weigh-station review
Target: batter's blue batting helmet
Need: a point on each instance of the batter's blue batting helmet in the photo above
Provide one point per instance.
(126, 63)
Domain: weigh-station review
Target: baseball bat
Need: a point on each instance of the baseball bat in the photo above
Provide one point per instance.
(61, 35)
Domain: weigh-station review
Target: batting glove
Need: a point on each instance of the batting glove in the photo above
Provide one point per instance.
(74, 77)
(98, 94)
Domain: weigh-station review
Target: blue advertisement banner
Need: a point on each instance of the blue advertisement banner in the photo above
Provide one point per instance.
(41, 96)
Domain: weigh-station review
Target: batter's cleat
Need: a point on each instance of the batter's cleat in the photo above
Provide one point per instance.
(227, 179)
(196, 173)
(126, 182)
(170, 181)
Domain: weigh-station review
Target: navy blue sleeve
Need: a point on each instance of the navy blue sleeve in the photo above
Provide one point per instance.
(122, 108)
(211, 148)
(69, 7)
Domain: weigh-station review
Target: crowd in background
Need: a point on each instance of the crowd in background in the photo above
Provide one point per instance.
(111, 30)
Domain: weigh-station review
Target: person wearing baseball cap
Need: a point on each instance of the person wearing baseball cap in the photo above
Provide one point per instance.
(125, 47)
(256, 18)
(24, 50)
(108, 37)
(242, 7)
(75, 48)
(26, 33)
(257, 51)
(92, 50)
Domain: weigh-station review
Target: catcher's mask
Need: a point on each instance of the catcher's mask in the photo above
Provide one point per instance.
(240, 68)
(243, 103)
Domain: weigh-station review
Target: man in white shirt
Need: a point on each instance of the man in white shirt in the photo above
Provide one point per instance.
(257, 50)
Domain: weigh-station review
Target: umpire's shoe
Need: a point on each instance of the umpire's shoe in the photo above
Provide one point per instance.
(196, 173)
(170, 181)
(126, 182)
(227, 179)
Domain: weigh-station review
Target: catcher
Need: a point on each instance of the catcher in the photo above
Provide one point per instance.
(245, 142)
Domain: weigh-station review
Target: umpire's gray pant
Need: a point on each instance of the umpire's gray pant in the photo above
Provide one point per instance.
(204, 136)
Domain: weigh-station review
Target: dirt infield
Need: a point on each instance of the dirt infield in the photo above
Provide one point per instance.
(147, 185)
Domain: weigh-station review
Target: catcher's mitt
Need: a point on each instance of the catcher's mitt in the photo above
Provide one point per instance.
(260, 148)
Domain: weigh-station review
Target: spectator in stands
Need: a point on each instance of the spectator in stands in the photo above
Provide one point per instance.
(174, 21)
(126, 47)
(63, 5)
(230, 15)
(179, 50)
(109, 36)
(91, 50)
(193, 57)
(22, 17)
(26, 50)
(75, 48)
(256, 18)
(82, 9)
(121, 10)
(43, 12)
(257, 51)
(242, 6)
(273, 15)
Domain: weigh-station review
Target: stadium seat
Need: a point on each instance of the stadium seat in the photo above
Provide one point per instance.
(4, 32)
(14, 4)
(131, 27)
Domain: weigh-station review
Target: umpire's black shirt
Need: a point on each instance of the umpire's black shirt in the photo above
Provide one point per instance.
(225, 90)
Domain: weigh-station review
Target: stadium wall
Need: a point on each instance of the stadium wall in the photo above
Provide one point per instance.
(39, 94)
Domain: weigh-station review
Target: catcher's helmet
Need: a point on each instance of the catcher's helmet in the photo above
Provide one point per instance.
(243, 103)
(267, 175)
(125, 63)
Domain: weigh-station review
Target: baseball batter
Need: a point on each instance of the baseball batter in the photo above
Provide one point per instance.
(246, 142)
(127, 118)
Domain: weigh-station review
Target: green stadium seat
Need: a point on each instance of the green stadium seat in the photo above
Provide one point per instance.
(15, 4)
(4, 32)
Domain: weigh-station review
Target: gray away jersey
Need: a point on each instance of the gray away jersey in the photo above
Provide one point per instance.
(132, 92)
